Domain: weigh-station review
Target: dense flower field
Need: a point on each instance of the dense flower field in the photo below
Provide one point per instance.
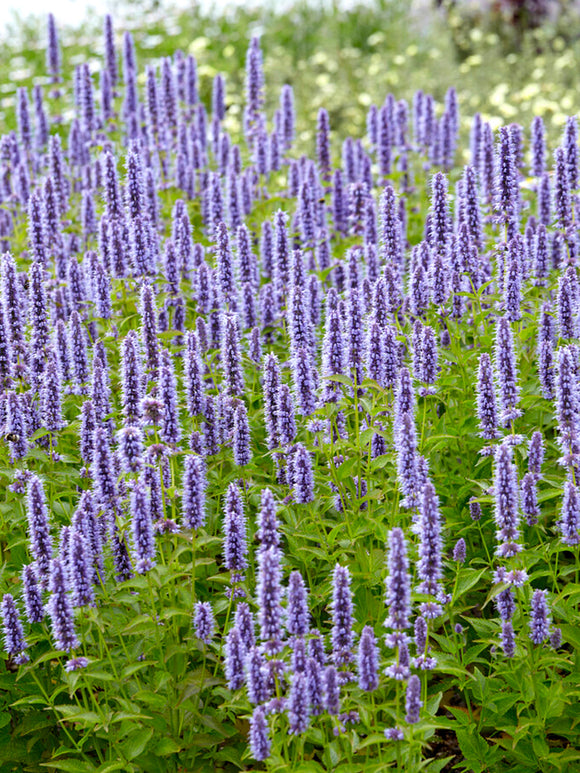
(290, 444)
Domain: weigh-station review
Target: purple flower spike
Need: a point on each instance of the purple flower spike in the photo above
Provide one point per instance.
(235, 537)
(331, 690)
(32, 597)
(203, 621)
(14, 642)
(342, 633)
(269, 595)
(569, 522)
(297, 614)
(459, 551)
(368, 660)
(38, 529)
(486, 399)
(413, 700)
(80, 571)
(259, 736)
(505, 363)
(429, 568)
(539, 617)
(235, 654)
(506, 502)
(298, 705)
(193, 508)
(231, 355)
(302, 479)
(398, 582)
(60, 609)
(241, 440)
(142, 528)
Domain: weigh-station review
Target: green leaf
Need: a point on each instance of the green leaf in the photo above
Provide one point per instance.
(167, 746)
(71, 765)
(135, 744)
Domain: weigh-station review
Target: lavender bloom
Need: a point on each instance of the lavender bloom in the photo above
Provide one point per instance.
(569, 522)
(14, 642)
(556, 638)
(513, 288)
(244, 622)
(297, 614)
(254, 85)
(570, 145)
(538, 147)
(474, 510)
(567, 304)
(235, 538)
(304, 381)
(80, 571)
(505, 604)
(286, 421)
(439, 212)
(16, 427)
(342, 633)
(287, 116)
(368, 661)
(406, 435)
(393, 734)
(268, 522)
(38, 528)
(149, 329)
(131, 448)
(506, 368)
(331, 690)
(400, 670)
(193, 369)
(529, 498)
(333, 356)
(298, 705)
(256, 677)
(53, 60)
(562, 197)
(60, 609)
(51, 397)
(539, 617)
(32, 596)
(567, 398)
(486, 399)
(398, 582)
(170, 427)
(302, 479)
(131, 377)
(231, 355)
(546, 368)
(508, 643)
(225, 265)
(545, 200)
(506, 186)
(142, 528)
(241, 440)
(235, 654)
(259, 735)
(459, 552)
(506, 502)
(323, 144)
(269, 595)
(536, 454)
(203, 621)
(429, 568)
(413, 700)
(193, 509)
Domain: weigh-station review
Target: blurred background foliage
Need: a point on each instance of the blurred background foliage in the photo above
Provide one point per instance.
(509, 59)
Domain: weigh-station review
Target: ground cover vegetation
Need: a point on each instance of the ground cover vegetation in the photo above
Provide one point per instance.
(290, 446)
